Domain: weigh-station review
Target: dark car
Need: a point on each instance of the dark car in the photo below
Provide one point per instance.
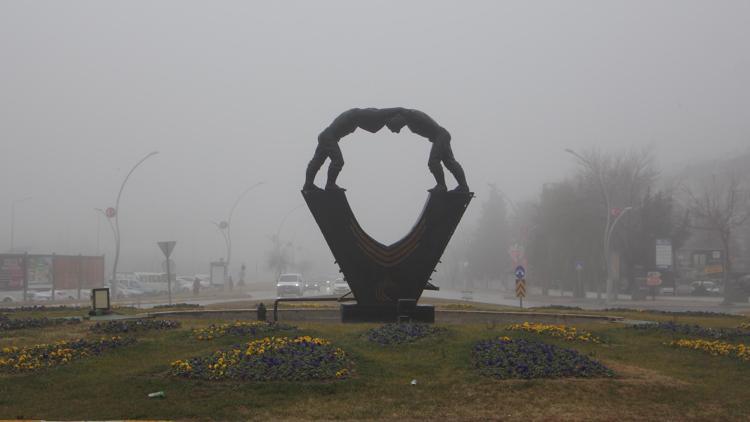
(312, 285)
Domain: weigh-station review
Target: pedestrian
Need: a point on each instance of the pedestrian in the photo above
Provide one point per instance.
(196, 286)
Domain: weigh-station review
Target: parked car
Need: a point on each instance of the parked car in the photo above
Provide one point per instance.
(12, 296)
(59, 295)
(289, 285)
(127, 288)
(340, 287)
(705, 288)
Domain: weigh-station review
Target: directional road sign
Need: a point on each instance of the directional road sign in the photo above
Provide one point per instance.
(521, 288)
(167, 247)
(520, 272)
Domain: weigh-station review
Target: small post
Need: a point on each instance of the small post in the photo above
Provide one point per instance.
(80, 275)
(25, 275)
(54, 259)
(169, 282)
(261, 312)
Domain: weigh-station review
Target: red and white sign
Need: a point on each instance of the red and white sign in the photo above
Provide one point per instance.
(653, 279)
(110, 212)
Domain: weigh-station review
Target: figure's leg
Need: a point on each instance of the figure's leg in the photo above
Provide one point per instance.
(337, 163)
(436, 169)
(455, 168)
(312, 168)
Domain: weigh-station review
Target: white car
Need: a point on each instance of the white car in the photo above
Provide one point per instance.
(45, 295)
(290, 285)
(12, 296)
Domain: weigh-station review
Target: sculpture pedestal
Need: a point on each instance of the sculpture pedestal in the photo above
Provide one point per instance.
(352, 312)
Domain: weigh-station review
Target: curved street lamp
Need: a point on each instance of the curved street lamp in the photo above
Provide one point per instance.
(277, 240)
(225, 226)
(117, 217)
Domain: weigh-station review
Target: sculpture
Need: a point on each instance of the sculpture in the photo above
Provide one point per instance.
(382, 276)
(372, 120)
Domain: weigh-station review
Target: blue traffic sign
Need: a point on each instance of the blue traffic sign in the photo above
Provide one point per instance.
(579, 265)
(520, 272)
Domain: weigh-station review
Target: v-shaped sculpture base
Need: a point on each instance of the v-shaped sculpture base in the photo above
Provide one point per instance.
(380, 275)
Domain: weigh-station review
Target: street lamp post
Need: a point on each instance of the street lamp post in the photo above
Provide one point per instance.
(598, 171)
(610, 292)
(117, 217)
(225, 226)
(111, 226)
(278, 240)
(13, 219)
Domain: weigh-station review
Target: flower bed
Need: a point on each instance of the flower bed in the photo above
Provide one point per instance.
(240, 328)
(270, 359)
(131, 325)
(715, 348)
(561, 331)
(22, 323)
(41, 308)
(696, 330)
(15, 359)
(675, 313)
(401, 333)
(505, 358)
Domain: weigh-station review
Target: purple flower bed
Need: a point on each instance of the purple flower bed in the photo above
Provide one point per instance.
(696, 330)
(399, 333)
(23, 323)
(270, 359)
(131, 325)
(505, 358)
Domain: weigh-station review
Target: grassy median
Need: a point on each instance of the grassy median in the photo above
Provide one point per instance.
(652, 380)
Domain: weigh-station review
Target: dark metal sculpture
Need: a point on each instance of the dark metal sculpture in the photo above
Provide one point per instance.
(381, 276)
(372, 120)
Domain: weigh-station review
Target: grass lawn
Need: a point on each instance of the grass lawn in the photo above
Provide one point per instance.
(653, 381)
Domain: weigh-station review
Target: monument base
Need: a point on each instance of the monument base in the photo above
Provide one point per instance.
(352, 312)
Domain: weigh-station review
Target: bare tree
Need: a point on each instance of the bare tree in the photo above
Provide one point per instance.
(722, 207)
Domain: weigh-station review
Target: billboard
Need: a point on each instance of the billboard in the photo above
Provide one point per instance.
(73, 272)
(20, 272)
(664, 253)
(11, 272)
(39, 270)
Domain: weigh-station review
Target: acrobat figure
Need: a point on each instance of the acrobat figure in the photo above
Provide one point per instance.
(422, 124)
(369, 119)
(372, 120)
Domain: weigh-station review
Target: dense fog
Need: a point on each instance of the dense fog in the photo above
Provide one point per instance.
(235, 93)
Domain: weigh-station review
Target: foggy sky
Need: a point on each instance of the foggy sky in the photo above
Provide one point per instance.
(233, 93)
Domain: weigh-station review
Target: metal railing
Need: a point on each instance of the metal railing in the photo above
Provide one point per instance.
(308, 299)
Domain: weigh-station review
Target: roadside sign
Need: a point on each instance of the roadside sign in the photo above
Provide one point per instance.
(167, 247)
(110, 212)
(520, 272)
(663, 253)
(521, 288)
(653, 279)
(579, 265)
(713, 269)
